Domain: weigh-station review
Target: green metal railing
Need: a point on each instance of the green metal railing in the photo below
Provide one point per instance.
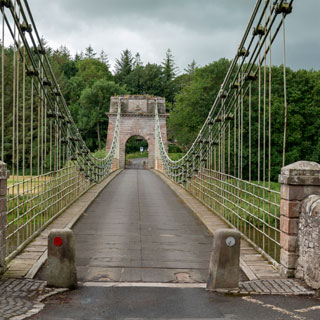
(50, 165)
(229, 165)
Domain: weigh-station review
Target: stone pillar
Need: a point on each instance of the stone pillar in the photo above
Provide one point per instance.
(115, 164)
(298, 181)
(3, 214)
(309, 242)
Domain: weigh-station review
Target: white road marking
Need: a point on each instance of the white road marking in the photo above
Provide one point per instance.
(143, 284)
(308, 309)
(275, 308)
(227, 317)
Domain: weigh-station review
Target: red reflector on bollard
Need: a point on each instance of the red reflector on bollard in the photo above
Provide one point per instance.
(57, 241)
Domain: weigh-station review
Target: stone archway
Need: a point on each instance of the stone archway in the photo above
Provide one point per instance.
(137, 163)
(137, 119)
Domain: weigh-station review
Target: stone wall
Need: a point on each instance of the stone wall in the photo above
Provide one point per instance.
(137, 119)
(300, 222)
(3, 214)
(138, 104)
(137, 126)
(308, 264)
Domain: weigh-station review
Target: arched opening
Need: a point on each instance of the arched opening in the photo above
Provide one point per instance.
(136, 153)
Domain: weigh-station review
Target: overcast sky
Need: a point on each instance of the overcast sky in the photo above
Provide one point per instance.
(203, 30)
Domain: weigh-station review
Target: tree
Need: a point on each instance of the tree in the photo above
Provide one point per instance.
(146, 80)
(194, 102)
(104, 58)
(137, 61)
(91, 70)
(169, 67)
(124, 66)
(169, 70)
(191, 68)
(94, 103)
(63, 67)
(78, 56)
(89, 53)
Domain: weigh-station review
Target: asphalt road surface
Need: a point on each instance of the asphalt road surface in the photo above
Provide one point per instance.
(98, 303)
(137, 163)
(138, 230)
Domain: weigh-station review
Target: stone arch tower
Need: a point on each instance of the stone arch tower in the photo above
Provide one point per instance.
(137, 119)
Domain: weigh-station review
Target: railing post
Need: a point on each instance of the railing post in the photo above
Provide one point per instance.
(3, 214)
(298, 180)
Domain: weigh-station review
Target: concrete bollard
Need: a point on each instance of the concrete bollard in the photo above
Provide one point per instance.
(61, 272)
(224, 263)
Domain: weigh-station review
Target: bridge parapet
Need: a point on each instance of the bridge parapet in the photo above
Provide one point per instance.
(298, 181)
(3, 214)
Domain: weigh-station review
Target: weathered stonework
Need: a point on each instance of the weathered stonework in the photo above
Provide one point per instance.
(309, 242)
(298, 181)
(137, 119)
(3, 214)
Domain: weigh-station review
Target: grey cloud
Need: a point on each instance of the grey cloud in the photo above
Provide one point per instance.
(204, 30)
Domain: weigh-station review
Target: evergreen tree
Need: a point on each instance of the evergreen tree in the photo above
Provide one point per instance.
(169, 67)
(123, 66)
(89, 53)
(137, 61)
(78, 56)
(169, 70)
(191, 68)
(104, 58)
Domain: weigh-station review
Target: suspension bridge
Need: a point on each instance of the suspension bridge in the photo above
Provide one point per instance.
(46, 165)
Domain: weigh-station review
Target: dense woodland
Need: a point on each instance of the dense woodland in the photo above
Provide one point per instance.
(88, 83)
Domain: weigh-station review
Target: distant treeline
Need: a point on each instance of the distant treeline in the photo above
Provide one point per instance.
(87, 84)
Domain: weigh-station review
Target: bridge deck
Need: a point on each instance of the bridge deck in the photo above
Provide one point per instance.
(139, 230)
(169, 238)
